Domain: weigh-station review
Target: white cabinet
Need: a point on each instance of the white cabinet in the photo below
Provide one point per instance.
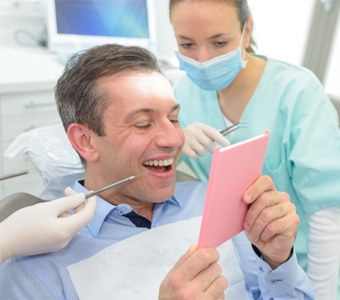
(27, 80)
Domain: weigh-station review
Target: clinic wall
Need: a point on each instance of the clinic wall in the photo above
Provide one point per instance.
(275, 37)
(22, 23)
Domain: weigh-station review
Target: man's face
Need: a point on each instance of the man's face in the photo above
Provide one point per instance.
(142, 134)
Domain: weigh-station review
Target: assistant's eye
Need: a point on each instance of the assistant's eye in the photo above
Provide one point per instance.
(220, 44)
(187, 45)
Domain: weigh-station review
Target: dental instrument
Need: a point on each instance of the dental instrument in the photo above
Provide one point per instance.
(232, 128)
(13, 175)
(112, 185)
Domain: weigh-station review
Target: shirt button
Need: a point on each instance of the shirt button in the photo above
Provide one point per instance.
(124, 209)
(261, 269)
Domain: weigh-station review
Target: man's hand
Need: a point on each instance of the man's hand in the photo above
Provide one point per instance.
(271, 222)
(196, 275)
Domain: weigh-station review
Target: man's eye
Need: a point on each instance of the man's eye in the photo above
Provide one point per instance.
(143, 125)
(174, 120)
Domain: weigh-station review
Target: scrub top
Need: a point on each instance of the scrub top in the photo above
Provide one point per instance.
(303, 154)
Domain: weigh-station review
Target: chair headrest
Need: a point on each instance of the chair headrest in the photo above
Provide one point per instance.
(52, 155)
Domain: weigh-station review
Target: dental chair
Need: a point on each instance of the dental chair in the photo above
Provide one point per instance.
(58, 164)
(13, 202)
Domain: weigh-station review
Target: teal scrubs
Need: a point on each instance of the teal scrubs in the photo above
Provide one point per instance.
(303, 155)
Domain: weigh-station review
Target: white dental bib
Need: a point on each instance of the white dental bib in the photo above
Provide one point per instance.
(135, 267)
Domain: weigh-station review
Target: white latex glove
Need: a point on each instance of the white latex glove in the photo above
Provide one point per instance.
(199, 137)
(44, 227)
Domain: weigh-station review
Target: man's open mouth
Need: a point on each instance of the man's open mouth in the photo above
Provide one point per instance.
(164, 165)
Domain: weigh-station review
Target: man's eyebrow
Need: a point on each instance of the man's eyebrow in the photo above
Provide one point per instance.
(176, 107)
(147, 110)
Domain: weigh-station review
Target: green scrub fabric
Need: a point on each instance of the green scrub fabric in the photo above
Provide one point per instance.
(303, 155)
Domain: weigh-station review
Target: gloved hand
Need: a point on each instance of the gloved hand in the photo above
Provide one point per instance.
(44, 227)
(199, 137)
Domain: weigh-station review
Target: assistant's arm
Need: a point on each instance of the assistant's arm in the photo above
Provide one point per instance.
(44, 227)
(324, 237)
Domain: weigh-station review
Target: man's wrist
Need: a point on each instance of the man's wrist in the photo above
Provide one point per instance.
(273, 264)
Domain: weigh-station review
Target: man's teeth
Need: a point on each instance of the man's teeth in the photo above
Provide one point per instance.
(159, 163)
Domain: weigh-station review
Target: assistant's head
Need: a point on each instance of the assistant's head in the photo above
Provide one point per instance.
(121, 116)
(213, 39)
(219, 22)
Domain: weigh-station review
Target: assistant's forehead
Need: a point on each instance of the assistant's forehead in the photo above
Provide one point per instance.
(189, 15)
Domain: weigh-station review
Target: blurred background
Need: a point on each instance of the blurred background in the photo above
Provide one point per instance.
(37, 37)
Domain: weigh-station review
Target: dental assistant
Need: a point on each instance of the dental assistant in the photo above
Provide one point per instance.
(44, 227)
(227, 82)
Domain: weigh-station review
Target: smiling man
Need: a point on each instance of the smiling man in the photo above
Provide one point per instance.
(141, 130)
(122, 118)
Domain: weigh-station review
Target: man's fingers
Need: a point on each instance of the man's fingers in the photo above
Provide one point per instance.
(263, 215)
(262, 202)
(284, 226)
(261, 185)
(217, 288)
(206, 277)
(198, 261)
(185, 256)
(264, 211)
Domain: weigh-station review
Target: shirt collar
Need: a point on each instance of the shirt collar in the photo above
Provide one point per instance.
(104, 208)
(173, 199)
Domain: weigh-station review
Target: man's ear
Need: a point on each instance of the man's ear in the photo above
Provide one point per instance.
(82, 139)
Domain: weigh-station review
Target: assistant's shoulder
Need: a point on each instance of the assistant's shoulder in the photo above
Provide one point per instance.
(290, 72)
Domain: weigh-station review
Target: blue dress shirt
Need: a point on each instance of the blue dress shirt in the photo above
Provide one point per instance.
(46, 276)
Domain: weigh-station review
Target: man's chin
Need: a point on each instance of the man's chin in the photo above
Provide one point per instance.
(162, 194)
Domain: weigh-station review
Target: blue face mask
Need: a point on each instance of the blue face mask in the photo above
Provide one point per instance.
(216, 73)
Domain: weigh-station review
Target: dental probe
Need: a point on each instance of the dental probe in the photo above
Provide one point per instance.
(13, 175)
(112, 185)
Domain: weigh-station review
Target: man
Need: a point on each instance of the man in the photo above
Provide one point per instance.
(121, 117)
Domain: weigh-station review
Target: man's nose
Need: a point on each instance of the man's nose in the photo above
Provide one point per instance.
(170, 135)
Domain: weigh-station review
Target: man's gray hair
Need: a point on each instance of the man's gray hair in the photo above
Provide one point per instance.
(78, 96)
